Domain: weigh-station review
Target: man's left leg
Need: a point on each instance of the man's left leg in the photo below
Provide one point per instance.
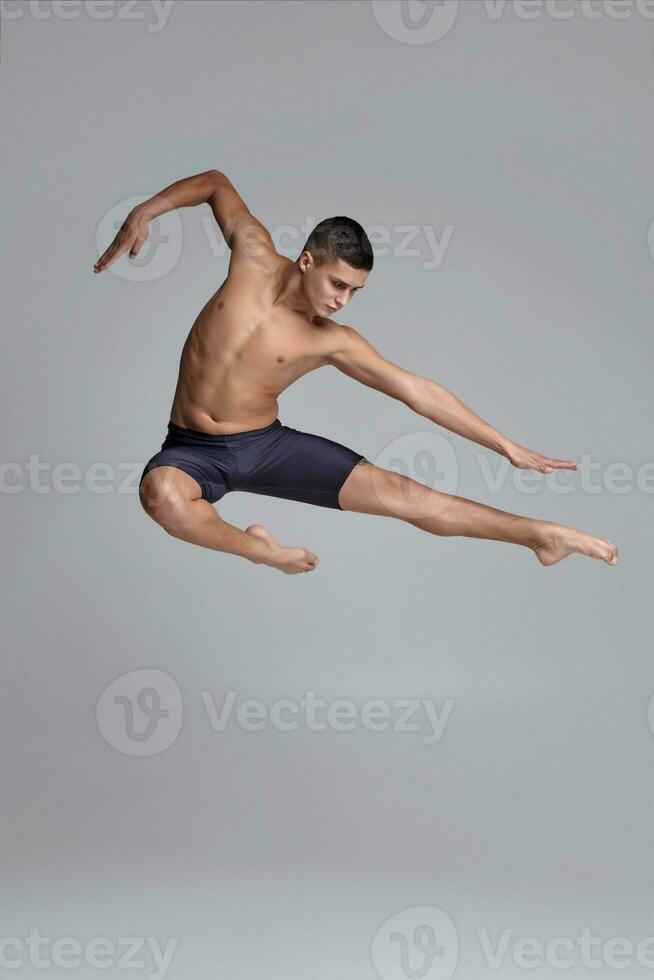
(371, 489)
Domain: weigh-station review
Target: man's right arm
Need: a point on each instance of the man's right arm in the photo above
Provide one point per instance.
(244, 234)
(238, 225)
(183, 193)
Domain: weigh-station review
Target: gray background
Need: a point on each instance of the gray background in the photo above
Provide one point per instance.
(280, 854)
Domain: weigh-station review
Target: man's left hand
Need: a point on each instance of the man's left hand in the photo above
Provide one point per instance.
(527, 459)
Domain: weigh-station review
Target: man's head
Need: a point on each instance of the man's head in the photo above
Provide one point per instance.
(335, 263)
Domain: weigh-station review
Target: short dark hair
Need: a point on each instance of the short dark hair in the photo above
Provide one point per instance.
(340, 238)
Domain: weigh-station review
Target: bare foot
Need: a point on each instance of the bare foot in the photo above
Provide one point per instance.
(559, 541)
(287, 560)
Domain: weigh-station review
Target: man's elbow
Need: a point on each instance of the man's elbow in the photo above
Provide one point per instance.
(416, 394)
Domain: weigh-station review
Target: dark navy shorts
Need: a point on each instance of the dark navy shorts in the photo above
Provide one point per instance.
(276, 461)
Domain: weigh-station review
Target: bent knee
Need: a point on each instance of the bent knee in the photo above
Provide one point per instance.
(165, 503)
(174, 516)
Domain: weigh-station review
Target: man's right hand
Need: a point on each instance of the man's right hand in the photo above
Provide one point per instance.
(133, 232)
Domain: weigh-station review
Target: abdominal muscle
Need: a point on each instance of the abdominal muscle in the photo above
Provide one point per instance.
(215, 401)
(191, 415)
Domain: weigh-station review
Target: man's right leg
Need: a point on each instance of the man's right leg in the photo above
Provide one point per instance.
(373, 490)
(173, 499)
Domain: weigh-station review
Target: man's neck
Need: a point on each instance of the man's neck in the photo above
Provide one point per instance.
(290, 294)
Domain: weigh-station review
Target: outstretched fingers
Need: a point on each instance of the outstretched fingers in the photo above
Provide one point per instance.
(558, 464)
(114, 251)
(131, 236)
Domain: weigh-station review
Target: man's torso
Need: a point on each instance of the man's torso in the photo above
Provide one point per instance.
(243, 350)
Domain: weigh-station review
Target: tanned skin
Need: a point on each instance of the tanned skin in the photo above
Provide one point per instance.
(269, 323)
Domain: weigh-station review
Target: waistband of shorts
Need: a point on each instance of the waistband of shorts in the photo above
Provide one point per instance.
(196, 437)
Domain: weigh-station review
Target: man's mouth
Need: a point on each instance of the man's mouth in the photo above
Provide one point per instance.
(332, 309)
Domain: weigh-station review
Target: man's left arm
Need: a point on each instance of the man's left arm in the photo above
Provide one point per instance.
(359, 360)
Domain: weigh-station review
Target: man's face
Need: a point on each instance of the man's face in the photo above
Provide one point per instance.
(330, 287)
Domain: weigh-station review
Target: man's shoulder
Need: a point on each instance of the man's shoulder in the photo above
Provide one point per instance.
(258, 256)
(337, 336)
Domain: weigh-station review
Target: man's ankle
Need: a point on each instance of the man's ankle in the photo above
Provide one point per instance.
(539, 534)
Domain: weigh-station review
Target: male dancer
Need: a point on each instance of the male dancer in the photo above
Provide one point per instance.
(268, 324)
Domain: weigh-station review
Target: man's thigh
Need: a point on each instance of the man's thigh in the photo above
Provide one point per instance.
(371, 489)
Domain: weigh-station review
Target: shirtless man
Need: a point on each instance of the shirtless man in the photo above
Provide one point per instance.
(268, 324)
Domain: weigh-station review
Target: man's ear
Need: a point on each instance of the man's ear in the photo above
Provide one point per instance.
(305, 260)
